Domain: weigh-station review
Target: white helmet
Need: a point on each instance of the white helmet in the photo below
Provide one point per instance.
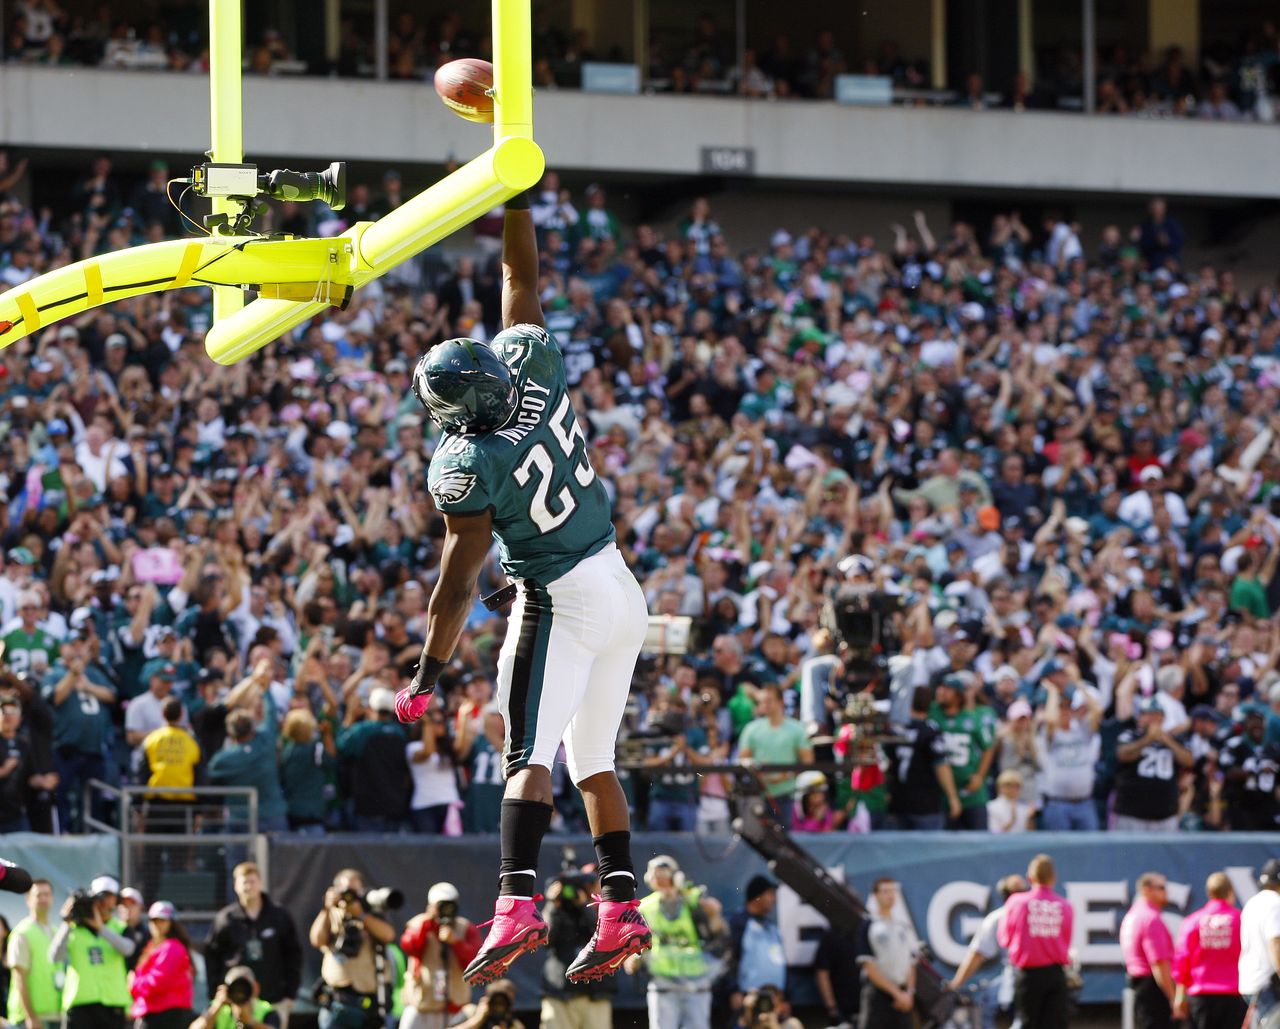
(809, 781)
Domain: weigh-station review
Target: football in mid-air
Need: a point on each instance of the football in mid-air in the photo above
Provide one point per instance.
(464, 87)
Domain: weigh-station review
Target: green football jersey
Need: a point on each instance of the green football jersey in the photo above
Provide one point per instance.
(22, 649)
(549, 509)
(968, 735)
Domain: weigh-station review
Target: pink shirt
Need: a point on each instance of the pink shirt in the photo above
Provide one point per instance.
(1036, 928)
(1207, 956)
(1144, 939)
(162, 979)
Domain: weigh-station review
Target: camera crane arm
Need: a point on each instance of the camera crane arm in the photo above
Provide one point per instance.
(840, 905)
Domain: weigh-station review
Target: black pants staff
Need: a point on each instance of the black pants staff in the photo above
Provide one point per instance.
(1040, 997)
(878, 1011)
(171, 1018)
(94, 1016)
(1217, 1011)
(1150, 1005)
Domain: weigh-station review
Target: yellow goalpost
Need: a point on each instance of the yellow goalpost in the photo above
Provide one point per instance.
(294, 279)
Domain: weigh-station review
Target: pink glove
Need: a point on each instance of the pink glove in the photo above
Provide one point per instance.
(410, 706)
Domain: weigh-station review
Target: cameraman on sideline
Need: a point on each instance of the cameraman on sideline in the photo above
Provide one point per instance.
(496, 1009)
(768, 1008)
(570, 925)
(91, 942)
(439, 944)
(236, 1004)
(355, 967)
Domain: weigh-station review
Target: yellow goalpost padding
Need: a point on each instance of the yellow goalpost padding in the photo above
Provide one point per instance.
(296, 279)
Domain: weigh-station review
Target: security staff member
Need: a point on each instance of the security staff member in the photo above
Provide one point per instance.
(1036, 929)
(888, 961)
(257, 932)
(680, 971)
(35, 994)
(354, 967)
(94, 947)
(1148, 954)
(1206, 961)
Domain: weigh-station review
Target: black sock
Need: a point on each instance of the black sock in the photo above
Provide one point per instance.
(613, 866)
(524, 823)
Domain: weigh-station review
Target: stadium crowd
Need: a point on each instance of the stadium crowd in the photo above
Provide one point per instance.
(1055, 470)
(1228, 83)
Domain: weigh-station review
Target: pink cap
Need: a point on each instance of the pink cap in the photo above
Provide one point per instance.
(1019, 709)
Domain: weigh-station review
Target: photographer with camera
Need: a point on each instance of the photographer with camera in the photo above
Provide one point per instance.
(237, 1004)
(439, 944)
(355, 970)
(768, 1008)
(688, 928)
(571, 922)
(496, 1009)
(92, 943)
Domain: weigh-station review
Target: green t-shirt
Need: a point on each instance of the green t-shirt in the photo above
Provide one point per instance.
(780, 745)
(252, 764)
(550, 511)
(968, 734)
(742, 709)
(96, 972)
(354, 738)
(81, 721)
(21, 646)
(305, 774)
(1247, 595)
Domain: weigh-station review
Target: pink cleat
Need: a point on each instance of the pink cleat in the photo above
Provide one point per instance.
(411, 706)
(620, 932)
(517, 929)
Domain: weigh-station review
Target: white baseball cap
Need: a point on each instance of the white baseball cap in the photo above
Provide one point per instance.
(382, 699)
(442, 893)
(104, 884)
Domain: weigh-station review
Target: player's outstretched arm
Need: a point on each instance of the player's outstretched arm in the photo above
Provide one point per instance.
(466, 545)
(520, 303)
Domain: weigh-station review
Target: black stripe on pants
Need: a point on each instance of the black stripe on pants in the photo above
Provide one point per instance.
(1040, 997)
(526, 679)
(1217, 1011)
(1150, 1006)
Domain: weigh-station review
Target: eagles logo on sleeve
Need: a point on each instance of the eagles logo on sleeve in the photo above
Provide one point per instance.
(453, 487)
